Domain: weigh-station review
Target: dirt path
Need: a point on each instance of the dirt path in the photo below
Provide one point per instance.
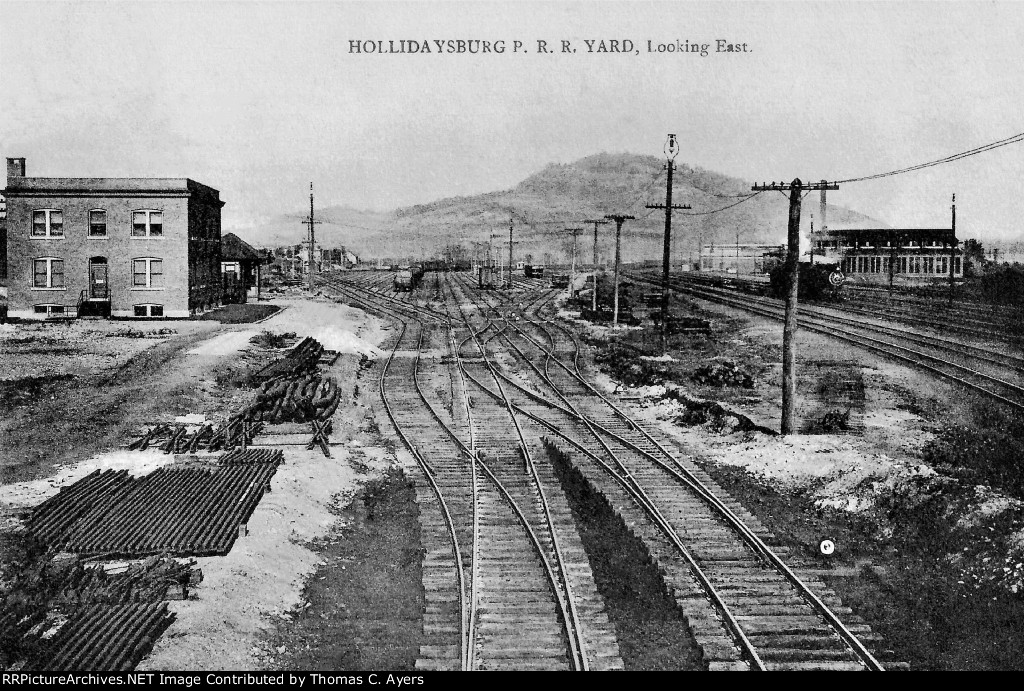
(264, 582)
(76, 418)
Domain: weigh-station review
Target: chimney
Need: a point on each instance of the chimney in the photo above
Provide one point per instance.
(15, 168)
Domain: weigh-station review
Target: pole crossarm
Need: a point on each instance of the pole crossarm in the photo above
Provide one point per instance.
(796, 184)
(674, 206)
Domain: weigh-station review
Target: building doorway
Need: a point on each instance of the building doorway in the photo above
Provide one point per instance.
(99, 288)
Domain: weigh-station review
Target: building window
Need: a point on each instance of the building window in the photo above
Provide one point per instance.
(48, 272)
(97, 223)
(149, 310)
(48, 310)
(147, 224)
(47, 223)
(148, 273)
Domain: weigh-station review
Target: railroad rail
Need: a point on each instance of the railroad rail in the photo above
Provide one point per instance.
(640, 467)
(503, 533)
(747, 608)
(992, 384)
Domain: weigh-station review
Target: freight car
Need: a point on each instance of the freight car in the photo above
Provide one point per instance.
(533, 271)
(407, 279)
(486, 278)
(824, 282)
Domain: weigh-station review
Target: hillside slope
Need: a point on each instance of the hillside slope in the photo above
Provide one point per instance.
(561, 195)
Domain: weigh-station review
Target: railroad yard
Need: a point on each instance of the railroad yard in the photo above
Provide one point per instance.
(449, 478)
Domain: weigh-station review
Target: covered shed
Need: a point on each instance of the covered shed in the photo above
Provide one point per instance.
(240, 268)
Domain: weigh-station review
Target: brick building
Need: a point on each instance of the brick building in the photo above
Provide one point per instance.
(122, 247)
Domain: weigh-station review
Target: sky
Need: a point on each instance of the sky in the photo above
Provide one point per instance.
(257, 99)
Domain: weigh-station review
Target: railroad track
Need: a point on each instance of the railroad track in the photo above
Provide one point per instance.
(973, 319)
(892, 343)
(506, 579)
(745, 605)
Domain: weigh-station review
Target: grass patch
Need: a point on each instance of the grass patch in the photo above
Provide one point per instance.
(988, 452)
(239, 314)
(364, 606)
(28, 390)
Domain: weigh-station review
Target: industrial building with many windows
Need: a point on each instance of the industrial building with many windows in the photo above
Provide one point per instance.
(121, 247)
(880, 255)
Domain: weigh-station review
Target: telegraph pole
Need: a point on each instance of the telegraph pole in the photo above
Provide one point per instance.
(952, 255)
(312, 237)
(596, 222)
(671, 151)
(792, 273)
(618, 218)
(572, 274)
(510, 252)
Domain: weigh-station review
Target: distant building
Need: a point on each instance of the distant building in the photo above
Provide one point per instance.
(911, 256)
(739, 259)
(3, 244)
(240, 268)
(122, 247)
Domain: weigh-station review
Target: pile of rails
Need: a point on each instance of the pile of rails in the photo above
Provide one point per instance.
(176, 510)
(59, 614)
(293, 390)
(99, 638)
(302, 358)
(238, 431)
(297, 398)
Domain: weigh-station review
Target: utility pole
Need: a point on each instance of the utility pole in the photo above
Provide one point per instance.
(671, 151)
(896, 241)
(572, 273)
(596, 222)
(812, 237)
(618, 218)
(510, 252)
(792, 273)
(952, 255)
(312, 237)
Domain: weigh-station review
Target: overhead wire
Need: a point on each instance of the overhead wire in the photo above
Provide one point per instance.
(715, 211)
(1015, 139)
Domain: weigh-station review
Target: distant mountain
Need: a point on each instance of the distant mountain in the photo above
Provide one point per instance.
(560, 196)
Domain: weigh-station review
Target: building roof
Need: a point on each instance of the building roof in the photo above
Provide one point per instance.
(885, 232)
(235, 249)
(173, 187)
